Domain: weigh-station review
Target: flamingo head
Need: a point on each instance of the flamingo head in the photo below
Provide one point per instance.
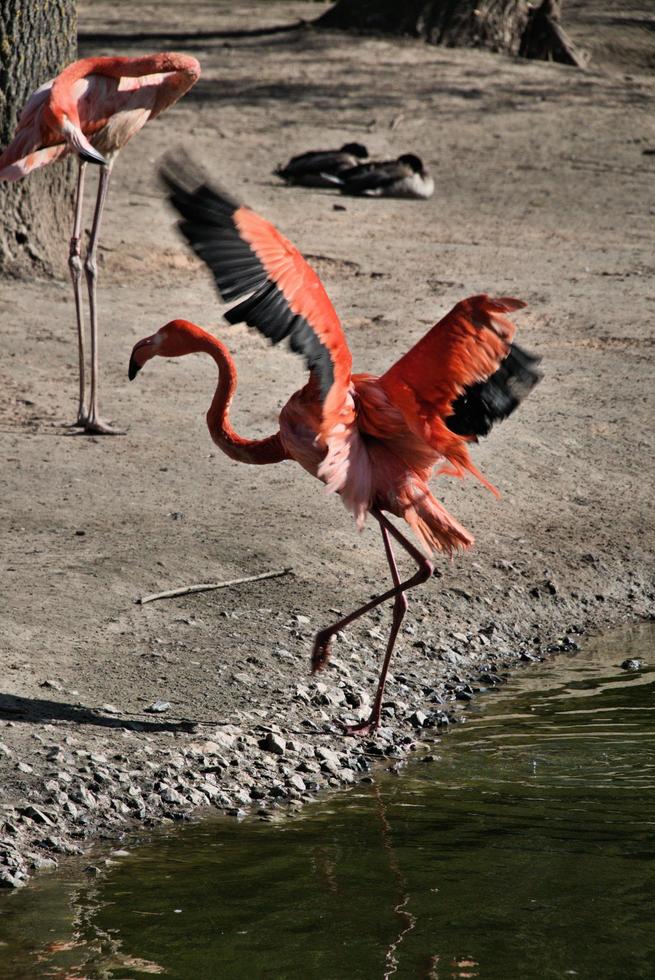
(64, 119)
(174, 339)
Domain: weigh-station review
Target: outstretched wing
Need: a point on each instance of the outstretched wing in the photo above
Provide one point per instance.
(247, 255)
(463, 376)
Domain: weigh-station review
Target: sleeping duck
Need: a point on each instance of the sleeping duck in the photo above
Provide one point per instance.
(318, 167)
(404, 177)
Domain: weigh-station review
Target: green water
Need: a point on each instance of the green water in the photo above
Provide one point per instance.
(526, 849)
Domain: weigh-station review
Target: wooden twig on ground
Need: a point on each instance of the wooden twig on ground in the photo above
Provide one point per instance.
(209, 586)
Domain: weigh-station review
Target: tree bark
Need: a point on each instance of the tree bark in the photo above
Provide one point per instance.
(37, 38)
(513, 27)
(545, 39)
(494, 24)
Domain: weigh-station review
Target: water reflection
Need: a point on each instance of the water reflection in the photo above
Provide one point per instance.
(525, 851)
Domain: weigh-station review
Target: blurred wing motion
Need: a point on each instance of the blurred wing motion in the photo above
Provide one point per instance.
(463, 376)
(247, 254)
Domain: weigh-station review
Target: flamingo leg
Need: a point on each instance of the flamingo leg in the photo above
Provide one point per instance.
(94, 423)
(75, 266)
(321, 651)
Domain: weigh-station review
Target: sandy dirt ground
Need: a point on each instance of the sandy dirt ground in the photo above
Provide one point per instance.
(544, 190)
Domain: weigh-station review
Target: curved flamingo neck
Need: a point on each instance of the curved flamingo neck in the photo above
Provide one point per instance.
(180, 72)
(257, 451)
(124, 67)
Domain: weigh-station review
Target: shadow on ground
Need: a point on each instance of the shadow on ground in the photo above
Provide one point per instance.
(36, 710)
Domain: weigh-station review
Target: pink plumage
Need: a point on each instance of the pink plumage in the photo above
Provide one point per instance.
(373, 440)
(92, 108)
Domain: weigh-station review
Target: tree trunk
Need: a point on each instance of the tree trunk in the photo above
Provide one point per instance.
(545, 39)
(37, 38)
(494, 24)
(508, 26)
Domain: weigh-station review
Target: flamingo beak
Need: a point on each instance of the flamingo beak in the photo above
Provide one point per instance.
(81, 145)
(141, 353)
(133, 368)
(90, 155)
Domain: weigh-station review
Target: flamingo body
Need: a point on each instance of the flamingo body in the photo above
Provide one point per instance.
(96, 102)
(93, 108)
(373, 440)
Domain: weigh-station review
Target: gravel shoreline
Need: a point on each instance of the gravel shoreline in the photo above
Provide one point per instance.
(80, 795)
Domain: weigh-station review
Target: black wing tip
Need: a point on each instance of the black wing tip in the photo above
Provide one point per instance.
(482, 405)
(207, 223)
(184, 178)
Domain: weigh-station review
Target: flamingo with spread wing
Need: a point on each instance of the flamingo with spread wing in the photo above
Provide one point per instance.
(373, 440)
(92, 108)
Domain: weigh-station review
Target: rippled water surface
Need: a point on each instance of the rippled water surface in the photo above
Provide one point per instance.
(525, 850)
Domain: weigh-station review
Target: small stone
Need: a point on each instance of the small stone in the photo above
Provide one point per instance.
(24, 767)
(225, 737)
(5, 750)
(631, 664)
(418, 719)
(273, 743)
(297, 782)
(213, 792)
(196, 797)
(42, 863)
(545, 587)
(9, 880)
(37, 815)
(110, 709)
(59, 845)
(52, 685)
(169, 795)
(309, 767)
(158, 706)
(329, 759)
(83, 796)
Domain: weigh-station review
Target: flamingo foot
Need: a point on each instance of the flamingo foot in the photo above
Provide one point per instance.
(364, 728)
(321, 652)
(98, 427)
(79, 423)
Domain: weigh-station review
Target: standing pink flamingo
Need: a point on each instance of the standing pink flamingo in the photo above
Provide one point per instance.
(373, 440)
(92, 109)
